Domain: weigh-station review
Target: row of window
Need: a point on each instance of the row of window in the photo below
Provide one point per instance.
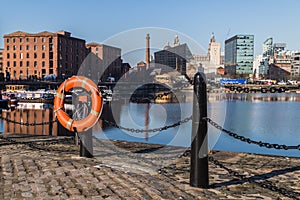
(244, 68)
(71, 42)
(67, 65)
(36, 72)
(35, 64)
(35, 55)
(43, 47)
(68, 49)
(35, 47)
(245, 48)
(35, 39)
(296, 73)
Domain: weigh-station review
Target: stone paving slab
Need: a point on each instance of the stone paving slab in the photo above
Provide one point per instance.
(123, 170)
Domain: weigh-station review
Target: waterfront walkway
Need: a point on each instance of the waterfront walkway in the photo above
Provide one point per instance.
(123, 170)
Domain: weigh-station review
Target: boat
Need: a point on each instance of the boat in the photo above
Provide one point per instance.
(21, 93)
(34, 106)
(36, 97)
(106, 93)
(7, 101)
(29, 96)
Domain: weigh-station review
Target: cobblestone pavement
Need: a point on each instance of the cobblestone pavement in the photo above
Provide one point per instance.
(135, 171)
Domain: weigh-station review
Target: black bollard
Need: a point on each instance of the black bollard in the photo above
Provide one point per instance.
(86, 144)
(199, 147)
(51, 124)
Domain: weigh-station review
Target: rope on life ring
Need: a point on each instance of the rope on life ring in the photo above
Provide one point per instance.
(96, 107)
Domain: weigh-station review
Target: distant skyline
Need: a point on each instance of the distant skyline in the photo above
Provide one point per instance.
(99, 20)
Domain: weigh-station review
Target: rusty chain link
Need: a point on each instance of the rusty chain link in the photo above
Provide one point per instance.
(264, 184)
(150, 130)
(250, 141)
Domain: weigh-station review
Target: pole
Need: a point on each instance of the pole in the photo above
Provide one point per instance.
(86, 144)
(51, 124)
(85, 137)
(199, 147)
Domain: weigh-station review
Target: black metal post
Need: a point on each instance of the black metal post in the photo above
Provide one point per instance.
(199, 147)
(86, 144)
(51, 124)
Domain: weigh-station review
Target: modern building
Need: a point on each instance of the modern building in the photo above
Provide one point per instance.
(267, 47)
(256, 64)
(111, 60)
(174, 57)
(283, 59)
(239, 53)
(263, 69)
(35, 55)
(278, 47)
(261, 62)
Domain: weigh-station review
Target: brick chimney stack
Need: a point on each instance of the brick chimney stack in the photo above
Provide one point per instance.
(147, 51)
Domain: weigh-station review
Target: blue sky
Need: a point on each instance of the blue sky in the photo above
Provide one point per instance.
(95, 20)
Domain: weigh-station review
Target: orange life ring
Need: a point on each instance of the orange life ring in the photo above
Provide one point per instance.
(96, 108)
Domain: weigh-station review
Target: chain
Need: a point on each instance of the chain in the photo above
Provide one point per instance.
(189, 79)
(150, 130)
(28, 124)
(264, 184)
(261, 88)
(250, 141)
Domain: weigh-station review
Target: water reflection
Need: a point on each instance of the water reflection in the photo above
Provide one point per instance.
(30, 113)
(281, 97)
(267, 117)
(270, 118)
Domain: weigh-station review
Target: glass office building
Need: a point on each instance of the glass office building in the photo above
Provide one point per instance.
(239, 55)
(268, 47)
